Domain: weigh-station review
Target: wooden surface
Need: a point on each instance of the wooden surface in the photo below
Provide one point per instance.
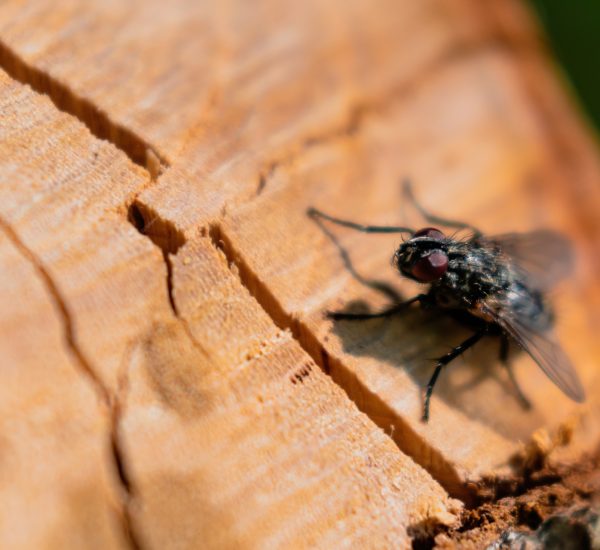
(170, 379)
(383, 364)
(58, 488)
(212, 413)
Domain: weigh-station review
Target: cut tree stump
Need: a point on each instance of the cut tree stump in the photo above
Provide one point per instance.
(170, 377)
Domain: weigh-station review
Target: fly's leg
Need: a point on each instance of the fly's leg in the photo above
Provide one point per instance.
(442, 362)
(504, 344)
(379, 286)
(339, 315)
(314, 213)
(433, 219)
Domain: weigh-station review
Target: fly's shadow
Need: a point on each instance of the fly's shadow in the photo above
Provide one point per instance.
(412, 337)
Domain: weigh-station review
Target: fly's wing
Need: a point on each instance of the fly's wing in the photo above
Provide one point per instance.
(544, 349)
(543, 257)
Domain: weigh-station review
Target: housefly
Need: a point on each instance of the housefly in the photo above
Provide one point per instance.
(496, 284)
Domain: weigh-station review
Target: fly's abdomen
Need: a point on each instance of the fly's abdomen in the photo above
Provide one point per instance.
(530, 307)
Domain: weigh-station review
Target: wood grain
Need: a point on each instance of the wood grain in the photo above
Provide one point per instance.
(66, 195)
(260, 448)
(57, 483)
(486, 161)
(198, 415)
(153, 199)
(182, 78)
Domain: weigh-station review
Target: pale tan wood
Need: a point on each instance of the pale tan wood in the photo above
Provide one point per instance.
(184, 76)
(258, 124)
(66, 195)
(57, 486)
(229, 159)
(216, 427)
(261, 449)
(484, 160)
(255, 129)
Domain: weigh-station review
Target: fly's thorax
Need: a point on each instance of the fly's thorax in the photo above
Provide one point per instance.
(474, 273)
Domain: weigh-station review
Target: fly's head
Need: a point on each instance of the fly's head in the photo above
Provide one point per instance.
(424, 257)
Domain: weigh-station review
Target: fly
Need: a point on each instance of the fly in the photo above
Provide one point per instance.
(497, 284)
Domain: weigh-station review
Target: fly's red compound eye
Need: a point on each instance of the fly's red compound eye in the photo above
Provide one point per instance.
(431, 233)
(431, 267)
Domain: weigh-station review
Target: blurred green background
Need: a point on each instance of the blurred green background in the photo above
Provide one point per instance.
(573, 29)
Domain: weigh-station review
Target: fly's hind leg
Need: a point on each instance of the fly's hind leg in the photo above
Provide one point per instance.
(432, 218)
(442, 362)
(504, 345)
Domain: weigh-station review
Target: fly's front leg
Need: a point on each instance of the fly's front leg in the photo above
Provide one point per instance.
(379, 286)
(314, 213)
(433, 219)
(442, 362)
(347, 316)
(504, 346)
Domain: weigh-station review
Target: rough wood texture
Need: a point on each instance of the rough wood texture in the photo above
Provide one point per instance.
(65, 195)
(58, 487)
(228, 86)
(299, 273)
(259, 447)
(196, 416)
(172, 289)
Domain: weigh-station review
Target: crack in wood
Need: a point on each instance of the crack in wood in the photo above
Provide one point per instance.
(95, 119)
(361, 110)
(406, 439)
(118, 453)
(163, 234)
(61, 306)
(83, 366)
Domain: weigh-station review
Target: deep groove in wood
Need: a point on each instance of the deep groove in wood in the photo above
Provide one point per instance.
(402, 434)
(163, 234)
(121, 464)
(61, 306)
(83, 366)
(96, 120)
